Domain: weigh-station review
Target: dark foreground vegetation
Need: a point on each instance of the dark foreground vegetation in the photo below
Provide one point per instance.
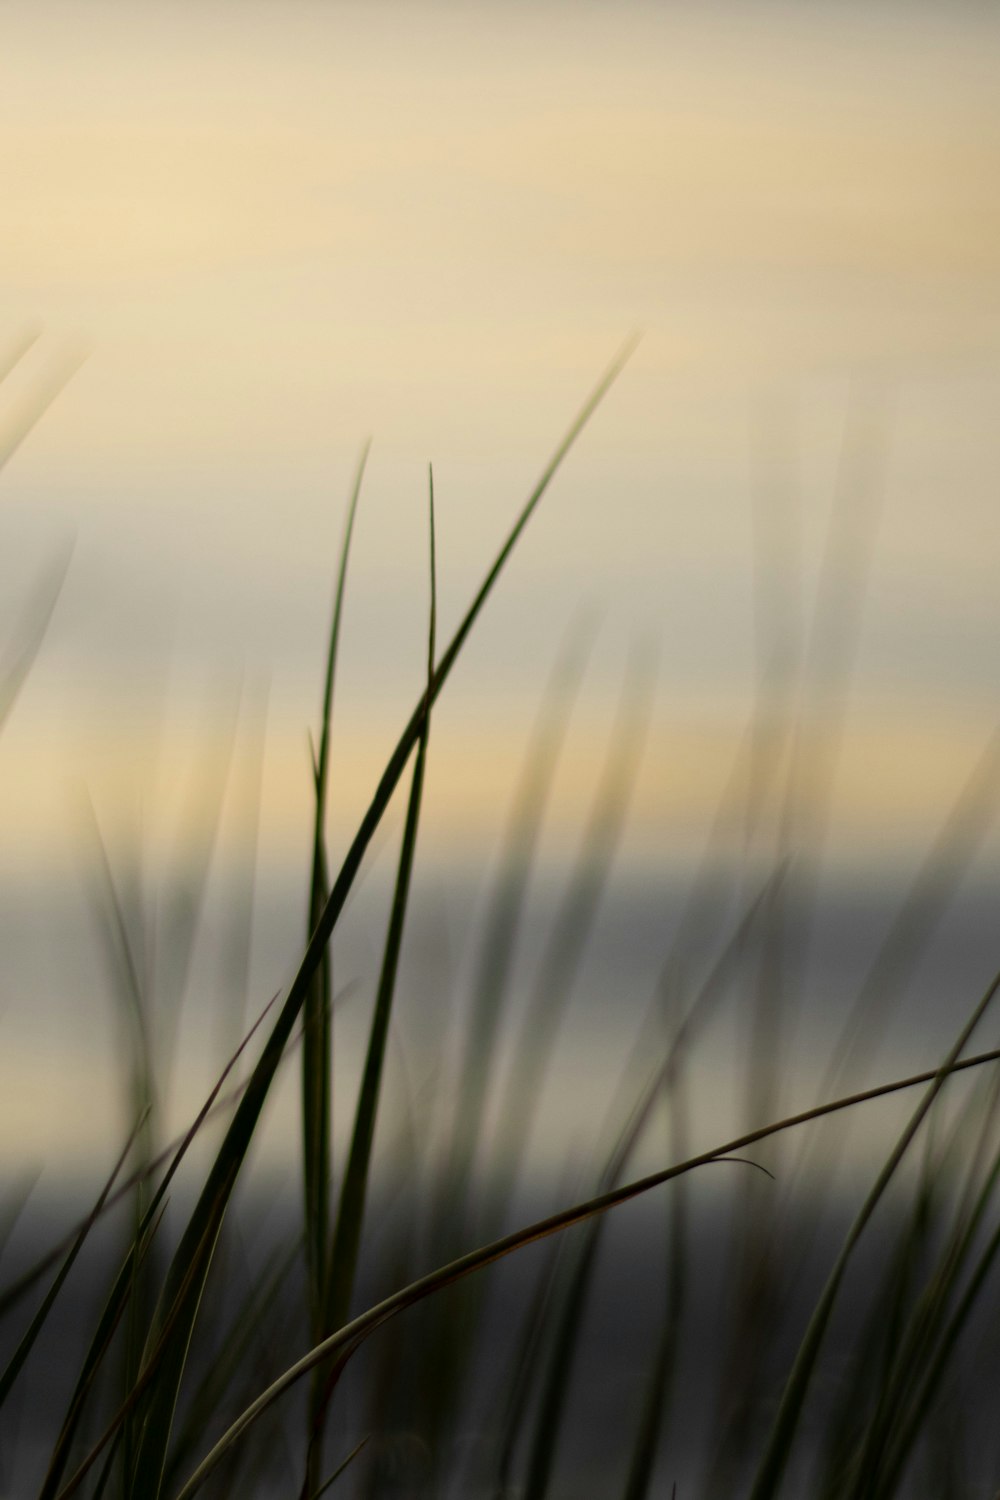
(726, 1324)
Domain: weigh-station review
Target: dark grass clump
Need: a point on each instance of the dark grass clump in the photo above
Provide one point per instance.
(755, 1340)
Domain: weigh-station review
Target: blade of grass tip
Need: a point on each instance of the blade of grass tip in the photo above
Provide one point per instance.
(350, 1216)
(222, 1176)
(317, 1049)
(348, 1339)
(779, 1443)
(17, 1359)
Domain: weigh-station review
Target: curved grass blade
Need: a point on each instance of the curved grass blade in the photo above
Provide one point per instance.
(317, 1045)
(214, 1199)
(345, 1342)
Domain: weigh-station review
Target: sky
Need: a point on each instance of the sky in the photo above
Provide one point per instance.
(247, 238)
(277, 231)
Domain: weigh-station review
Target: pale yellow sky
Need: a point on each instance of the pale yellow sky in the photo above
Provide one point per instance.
(279, 228)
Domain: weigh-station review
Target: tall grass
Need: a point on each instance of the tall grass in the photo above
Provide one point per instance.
(185, 1380)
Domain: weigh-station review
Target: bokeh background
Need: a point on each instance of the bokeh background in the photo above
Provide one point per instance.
(246, 238)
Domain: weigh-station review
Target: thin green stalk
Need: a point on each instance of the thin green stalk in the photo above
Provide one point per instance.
(182, 1292)
(350, 1217)
(317, 1048)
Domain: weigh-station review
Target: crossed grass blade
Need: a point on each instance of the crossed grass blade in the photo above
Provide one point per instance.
(317, 1045)
(182, 1290)
(350, 1217)
(341, 1345)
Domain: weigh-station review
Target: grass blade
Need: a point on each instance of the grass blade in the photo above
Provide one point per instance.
(351, 1213)
(350, 1217)
(207, 1215)
(317, 1054)
(342, 1344)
